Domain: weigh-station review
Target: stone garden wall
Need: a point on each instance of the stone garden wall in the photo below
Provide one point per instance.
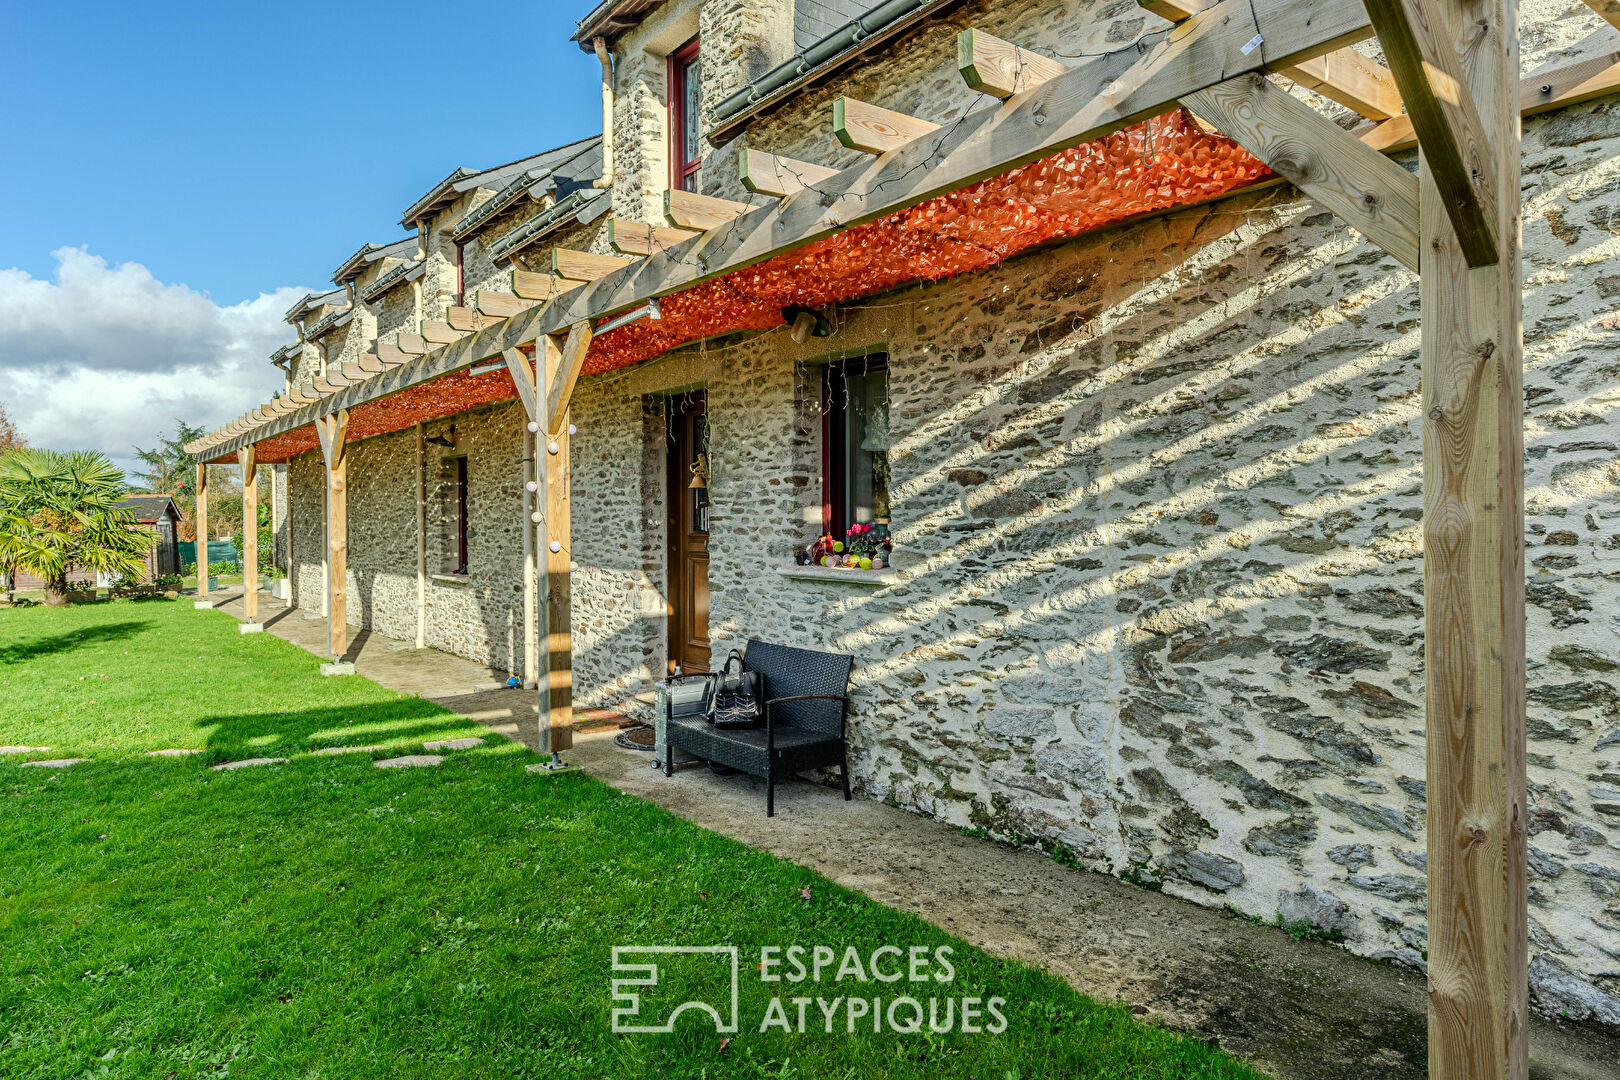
(1156, 494)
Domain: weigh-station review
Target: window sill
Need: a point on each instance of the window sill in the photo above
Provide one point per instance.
(451, 579)
(871, 579)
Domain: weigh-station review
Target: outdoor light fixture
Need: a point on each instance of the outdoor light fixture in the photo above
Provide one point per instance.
(806, 323)
(649, 310)
(442, 440)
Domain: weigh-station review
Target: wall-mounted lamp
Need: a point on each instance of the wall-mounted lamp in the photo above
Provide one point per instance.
(448, 440)
(806, 323)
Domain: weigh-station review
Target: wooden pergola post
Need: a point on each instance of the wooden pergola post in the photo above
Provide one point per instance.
(247, 458)
(1457, 65)
(1473, 577)
(557, 656)
(421, 534)
(200, 521)
(333, 431)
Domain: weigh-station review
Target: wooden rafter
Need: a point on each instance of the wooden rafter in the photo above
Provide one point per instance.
(502, 305)
(467, 320)
(1539, 92)
(1450, 133)
(414, 344)
(391, 355)
(1344, 75)
(689, 210)
(584, 265)
(999, 68)
(370, 363)
(770, 174)
(635, 238)
(872, 129)
(533, 286)
(440, 333)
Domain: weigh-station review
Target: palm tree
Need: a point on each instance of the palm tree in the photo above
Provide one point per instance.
(57, 514)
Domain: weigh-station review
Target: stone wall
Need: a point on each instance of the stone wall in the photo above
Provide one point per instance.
(1157, 497)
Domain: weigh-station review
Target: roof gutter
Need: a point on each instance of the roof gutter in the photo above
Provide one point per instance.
(807, 60)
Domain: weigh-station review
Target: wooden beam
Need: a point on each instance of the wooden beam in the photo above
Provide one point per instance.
(1359, 84)
(370, 363)
(522, 372)
(1450, 132)
(1473, 577)
(635, 238)
(689, 210)
(1344, 76)
(390, 354)
(872, 129)
(1539, 92)
(247, 458)
(440, 333)
(1607, 10)
(333, 431)
(584, 265)
(555, 537)
(415, 344)
(533, 286)
(570, 362)
(199, 523)
(1000, 68)
(355, 373)
(1099, 96)
(502, 305)
(769, 174)
(467, 320)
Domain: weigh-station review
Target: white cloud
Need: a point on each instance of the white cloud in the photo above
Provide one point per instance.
(107, 357)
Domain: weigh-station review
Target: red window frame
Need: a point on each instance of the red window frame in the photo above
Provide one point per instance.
(682, 173)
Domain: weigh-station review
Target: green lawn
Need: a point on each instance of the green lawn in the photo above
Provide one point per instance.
(325, 918)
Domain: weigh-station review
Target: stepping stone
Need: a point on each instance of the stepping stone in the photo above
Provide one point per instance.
(348, 749)
(58, 763)
(23, 749)
(453, 744)
(245, 762)
(173, 752)
(409, 761)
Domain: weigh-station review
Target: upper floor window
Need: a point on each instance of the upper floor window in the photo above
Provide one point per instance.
(685, 117)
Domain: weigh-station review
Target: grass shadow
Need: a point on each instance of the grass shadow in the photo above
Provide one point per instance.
(23, 651)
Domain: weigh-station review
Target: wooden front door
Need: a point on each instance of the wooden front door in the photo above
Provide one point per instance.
(688, 531)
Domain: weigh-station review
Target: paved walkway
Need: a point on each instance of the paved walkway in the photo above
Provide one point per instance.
(1296, 1009)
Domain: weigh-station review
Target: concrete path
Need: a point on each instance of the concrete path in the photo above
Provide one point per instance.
(1298, 1010)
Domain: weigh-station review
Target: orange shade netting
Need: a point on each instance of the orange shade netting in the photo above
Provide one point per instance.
(1165, 162)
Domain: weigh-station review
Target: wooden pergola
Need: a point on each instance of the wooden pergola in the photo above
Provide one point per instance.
(1453, 66)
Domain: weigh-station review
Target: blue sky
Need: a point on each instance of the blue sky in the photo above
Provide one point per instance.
(173, 172)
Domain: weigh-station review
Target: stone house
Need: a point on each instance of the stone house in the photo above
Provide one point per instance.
(1155, 599)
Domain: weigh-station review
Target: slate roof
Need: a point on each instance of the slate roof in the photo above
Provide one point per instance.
(148, 507)
(464, 180)
(560, 173)
(355, 264)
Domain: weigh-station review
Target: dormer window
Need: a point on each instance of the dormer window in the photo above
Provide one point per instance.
(685, 117)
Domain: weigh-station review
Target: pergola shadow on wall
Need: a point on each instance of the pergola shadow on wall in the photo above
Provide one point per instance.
(1189, 117)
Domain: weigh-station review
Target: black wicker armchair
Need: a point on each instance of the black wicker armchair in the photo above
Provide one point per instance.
(806, 692)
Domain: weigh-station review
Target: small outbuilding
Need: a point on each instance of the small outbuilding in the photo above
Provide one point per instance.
(158, 514)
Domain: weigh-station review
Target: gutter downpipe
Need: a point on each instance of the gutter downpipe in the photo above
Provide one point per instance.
(605, 181)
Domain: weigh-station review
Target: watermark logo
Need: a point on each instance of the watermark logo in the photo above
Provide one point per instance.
(900, 990)
(714, 969)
